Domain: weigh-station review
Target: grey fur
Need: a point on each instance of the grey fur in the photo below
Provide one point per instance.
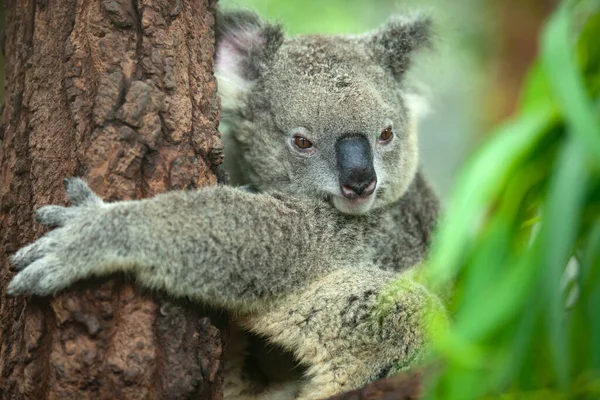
(293, 263)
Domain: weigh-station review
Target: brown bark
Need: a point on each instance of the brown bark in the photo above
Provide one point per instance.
(120, 92)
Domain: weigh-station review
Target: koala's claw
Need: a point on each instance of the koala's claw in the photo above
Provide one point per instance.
(44, 267)
(55, 216)
(79, 192)
(42, 277)
(40, 270)
(32, 252)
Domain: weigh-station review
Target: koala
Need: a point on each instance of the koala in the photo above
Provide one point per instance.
(328, 207)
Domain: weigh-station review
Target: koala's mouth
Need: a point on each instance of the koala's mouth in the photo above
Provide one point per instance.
(355, 206)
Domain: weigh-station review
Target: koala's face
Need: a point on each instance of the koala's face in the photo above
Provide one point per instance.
(327, 117)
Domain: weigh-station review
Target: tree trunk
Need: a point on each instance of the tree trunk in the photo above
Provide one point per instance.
(120, 92)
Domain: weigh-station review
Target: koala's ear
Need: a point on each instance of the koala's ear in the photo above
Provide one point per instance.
(244, 45)
(394, 43)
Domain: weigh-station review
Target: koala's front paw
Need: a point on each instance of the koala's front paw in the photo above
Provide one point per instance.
(46, 265)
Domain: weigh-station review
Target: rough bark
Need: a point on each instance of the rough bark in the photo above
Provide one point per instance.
(120, 92)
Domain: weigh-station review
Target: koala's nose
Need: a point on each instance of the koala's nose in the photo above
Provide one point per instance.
(355, 164)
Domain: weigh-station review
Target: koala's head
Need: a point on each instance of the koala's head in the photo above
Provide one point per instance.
(323, 116)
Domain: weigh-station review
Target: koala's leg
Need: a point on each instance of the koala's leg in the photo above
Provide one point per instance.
(220, 246)
(338, 330)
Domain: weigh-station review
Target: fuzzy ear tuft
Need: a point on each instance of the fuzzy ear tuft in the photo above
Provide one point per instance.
(244, 44)
(394, 43)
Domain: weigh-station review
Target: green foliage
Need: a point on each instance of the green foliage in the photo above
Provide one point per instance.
(526, 206)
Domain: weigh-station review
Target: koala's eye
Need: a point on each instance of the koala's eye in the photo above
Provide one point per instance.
(302, 142)
(386, 135)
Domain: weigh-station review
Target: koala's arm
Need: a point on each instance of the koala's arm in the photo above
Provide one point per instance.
(220, 245)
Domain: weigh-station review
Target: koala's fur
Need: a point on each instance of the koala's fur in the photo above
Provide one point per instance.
(297, 265)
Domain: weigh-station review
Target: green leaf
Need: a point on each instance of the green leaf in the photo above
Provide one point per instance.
(536, 92)
(478, 184)
(561, 216)
(588, 53)
(558, 61)
(589, 298)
